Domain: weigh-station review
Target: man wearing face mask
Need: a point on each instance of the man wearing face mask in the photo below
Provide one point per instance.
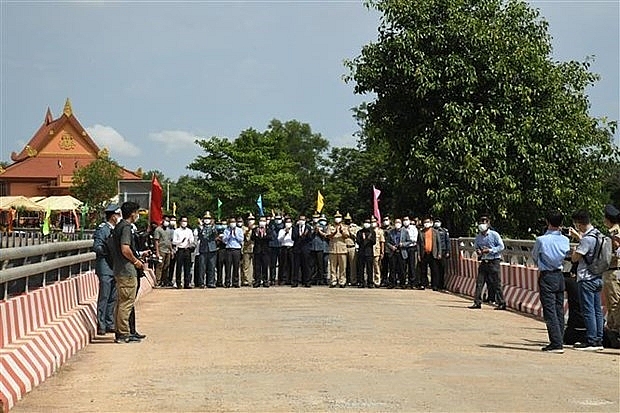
(385, 261)
(319, 244)
(397, 242)
(220, 261)
(366, 238)
(430, 253)
(126, 265)
(103, 268)
(274, 261)
(233, 238)
(378, 252)
(285, 240)
(182, 239)
(247, 260)
(163, 248)
(412, 252)
(261, 236)
(170, 226)
(208, 251)
(337, 235)
(302, 239)
(488, 245)
(351, 250)
(444, 242)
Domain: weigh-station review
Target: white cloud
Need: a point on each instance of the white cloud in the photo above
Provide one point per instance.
(108, 137)
(173, 140)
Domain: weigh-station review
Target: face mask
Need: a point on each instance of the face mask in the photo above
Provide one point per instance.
(322, 222)
(337, 220)
(220, 227)
(240, 224)
(483, 227)
(437, 224)
(398, 225)
(173, 224)
(207, 221)
(183, 224)
(262, 224)
(278, 221)
(366, 225)
(232, 224)
(406, 223)
(386, 222)
(251, 222)
(315, 220)
(301, 222)
(427, 225)
(288, 224)
(166, 223)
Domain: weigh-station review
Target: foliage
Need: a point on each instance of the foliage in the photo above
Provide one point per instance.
(476, 115)
(97, 182)
(283, 164)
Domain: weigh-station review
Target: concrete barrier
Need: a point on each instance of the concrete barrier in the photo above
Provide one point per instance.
(41, 330)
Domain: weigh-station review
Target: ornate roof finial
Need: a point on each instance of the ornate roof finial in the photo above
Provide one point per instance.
(67, 110)
(48, 116)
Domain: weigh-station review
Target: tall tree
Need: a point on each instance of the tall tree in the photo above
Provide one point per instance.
(477, 115)
(282, 164)
(97, 182)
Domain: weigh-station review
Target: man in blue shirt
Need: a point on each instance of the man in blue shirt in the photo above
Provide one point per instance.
(488, 245)
(589, 284)
(549, 253)
(233, 239)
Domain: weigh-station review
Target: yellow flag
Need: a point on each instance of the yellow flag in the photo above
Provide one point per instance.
(46, 221)
(174, 209)
(319, 202)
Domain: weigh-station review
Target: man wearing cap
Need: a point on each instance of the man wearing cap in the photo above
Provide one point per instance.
(247, 260)
(337, 235)
(611, 277)
(208, 251)
(103, 268)
(378, 251)
(366, 238)
(351, 250)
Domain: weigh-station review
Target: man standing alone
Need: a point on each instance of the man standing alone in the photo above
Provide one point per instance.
(488, 245)
(549, 253)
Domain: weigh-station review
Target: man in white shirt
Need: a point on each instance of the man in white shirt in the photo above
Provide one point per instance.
(183, 240)
(412, 253)
(285, 238)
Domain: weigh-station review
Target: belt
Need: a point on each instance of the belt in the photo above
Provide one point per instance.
(350, 246)
(614, 269)
(547, 272)
(489, 261)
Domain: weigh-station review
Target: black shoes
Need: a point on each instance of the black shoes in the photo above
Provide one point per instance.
(475, 307)
(127, 339)
(500, 307)
(138, 335)
(553, 349)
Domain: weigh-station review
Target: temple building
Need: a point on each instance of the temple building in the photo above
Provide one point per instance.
(46, 164)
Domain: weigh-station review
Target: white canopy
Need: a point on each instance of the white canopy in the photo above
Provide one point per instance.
(60, 203)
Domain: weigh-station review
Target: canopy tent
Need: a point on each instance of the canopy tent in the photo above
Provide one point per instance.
(60, 203)
(19, 202)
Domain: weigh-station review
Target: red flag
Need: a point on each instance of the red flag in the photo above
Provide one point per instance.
(375, 204)
(156, 212)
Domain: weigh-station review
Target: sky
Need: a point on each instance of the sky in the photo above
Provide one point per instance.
(147, 78)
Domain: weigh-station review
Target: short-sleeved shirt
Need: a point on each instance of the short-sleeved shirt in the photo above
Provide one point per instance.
(586, 247)
(123, 236)
(380, 239)
(165, 242)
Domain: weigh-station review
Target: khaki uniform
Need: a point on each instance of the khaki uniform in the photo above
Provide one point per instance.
(337, 235)
(247, 260)
(611, 287)
(351, 253)
(378, 255)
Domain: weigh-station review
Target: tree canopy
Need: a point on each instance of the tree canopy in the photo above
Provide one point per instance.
(476, 115)
(96, 183)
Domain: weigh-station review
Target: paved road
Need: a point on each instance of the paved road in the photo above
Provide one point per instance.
(320, 349)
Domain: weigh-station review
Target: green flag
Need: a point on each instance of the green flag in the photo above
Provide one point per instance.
(219, 209)
(46, 221)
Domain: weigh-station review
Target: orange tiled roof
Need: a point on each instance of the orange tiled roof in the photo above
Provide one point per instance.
(52, 167)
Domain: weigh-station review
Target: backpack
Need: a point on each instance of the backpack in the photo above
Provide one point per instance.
(601, 259)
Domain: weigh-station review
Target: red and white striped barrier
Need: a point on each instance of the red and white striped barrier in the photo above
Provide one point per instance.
(41, 330)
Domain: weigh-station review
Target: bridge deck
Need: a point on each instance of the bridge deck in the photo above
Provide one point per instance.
(320, 349)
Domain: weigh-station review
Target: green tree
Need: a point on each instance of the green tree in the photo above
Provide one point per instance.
(476, 114)
(281, 164)
(97, 182)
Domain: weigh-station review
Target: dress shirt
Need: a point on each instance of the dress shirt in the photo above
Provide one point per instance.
(286, 239)
(490, 239)
(233, 237)
(183, 237)
(413, 234)
(550, 250)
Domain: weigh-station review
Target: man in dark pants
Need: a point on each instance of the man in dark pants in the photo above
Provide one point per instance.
(233, 238)
(412, 259)
(274, 247)
(429, 250)
(317, 250)
(103, 268)
(183, 239)
(366, 238)
(549, 253)
(208, 250)
(302, 238)
(261, 235)
(444, 242)
(488, 245)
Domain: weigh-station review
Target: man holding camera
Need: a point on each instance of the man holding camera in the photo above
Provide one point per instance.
(549, 253)
(488, 245)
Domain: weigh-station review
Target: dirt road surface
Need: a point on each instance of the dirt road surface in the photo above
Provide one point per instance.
(319, 349)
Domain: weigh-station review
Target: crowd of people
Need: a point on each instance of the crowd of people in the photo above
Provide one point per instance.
(279, 251)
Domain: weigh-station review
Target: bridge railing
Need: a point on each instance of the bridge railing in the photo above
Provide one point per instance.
(30, 267)
(22, 237)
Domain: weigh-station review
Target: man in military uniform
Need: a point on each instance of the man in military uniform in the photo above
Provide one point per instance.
(247, 260)
(337, 235)
(351, 250)
(378, 251)
(104, 270)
